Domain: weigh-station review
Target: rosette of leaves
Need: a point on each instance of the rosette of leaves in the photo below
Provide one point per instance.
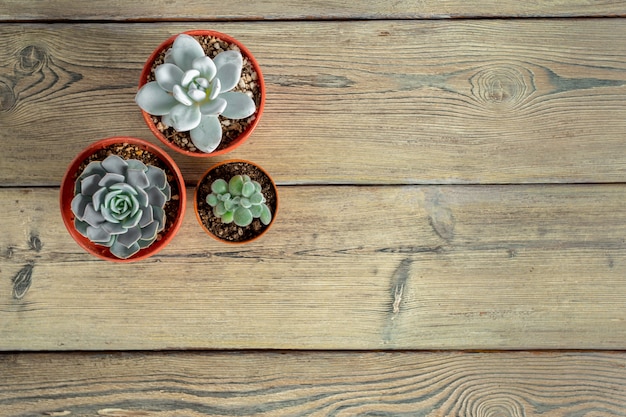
(239, 200)
(191, 90)
(120, 204)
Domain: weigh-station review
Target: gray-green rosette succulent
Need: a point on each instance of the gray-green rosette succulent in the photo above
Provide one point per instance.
(191, 90)
(239, 200)
(119, 204)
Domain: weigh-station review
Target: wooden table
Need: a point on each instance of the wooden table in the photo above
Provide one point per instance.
(451, 239)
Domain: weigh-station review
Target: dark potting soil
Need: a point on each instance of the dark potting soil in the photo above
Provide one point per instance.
(231, 129)
(128, 151)
(231, 232)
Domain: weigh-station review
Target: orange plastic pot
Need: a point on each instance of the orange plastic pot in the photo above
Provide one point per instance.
(68, 189)
(147, 70)
(199, 202)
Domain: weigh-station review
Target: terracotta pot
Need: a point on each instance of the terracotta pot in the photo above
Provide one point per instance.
(68, 189)
(204, 213)
(148, 71)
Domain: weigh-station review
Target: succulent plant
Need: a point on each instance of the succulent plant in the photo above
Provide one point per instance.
(119, 204)
(191, 90)
(239, 200)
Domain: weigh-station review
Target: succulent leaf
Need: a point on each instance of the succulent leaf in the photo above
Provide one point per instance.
(214, 107)
(89, 185)
(239, 105)
(156, 177)
(212, 200)
(78, 205)
(266, 215)
(227, 217)
(92, 217)
(108, 180)
(181, 96)
(122, 251)
(126, 207)
(242, 217)
(137, 178)
(131, 236)
(208, 134)
(114, 164)
(248, 189)
(149, 232)
(256, 210)
(94, 168)
(97, 234)
(205, 66)
(167, 76)
(257, 198)
(184, 118)
(159, 216)
(155, 100)
(136, 164)
(114, 228)
(197, 95)
(185, 50)
(156, 196)
(219, 186)
(235, 185)
(230, 205)
(220, 209)
(188, 77)
(215, 88)
(229, 65)
(147, 217)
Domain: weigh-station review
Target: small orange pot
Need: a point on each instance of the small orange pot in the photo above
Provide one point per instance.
(68, 189)
(233, 166)
(147, 71)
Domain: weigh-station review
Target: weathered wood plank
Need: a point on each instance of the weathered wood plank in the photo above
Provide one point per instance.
(314, 384)
(444, 101)
(142, 10)
(451, 267)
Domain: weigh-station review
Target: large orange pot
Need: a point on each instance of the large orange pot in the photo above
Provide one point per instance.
(178, 203)
(148, 72)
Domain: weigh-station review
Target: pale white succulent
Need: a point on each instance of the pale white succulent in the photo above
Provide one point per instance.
(191, 90)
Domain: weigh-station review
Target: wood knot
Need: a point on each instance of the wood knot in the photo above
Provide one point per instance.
(31, 59)
(34, 242)
(22, 281)
(485, 404)
(7, 96)
(504, 86)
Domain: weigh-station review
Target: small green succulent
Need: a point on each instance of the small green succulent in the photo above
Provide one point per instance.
(239, 200)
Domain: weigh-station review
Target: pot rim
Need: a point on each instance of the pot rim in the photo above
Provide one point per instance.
(66, 195)
(260, 80)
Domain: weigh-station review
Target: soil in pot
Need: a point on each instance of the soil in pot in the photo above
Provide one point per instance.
(231, 232)
(131, 151)
(231, 129)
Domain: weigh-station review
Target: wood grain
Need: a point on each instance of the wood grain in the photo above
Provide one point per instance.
(430, 267)
(314, 384)
(515, 101)
(142, 10)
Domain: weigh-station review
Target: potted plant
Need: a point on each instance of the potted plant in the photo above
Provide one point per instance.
(201, 93)
(122, 199)
(236, 201)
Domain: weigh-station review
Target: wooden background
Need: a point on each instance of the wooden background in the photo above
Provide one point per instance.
(451, 239)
